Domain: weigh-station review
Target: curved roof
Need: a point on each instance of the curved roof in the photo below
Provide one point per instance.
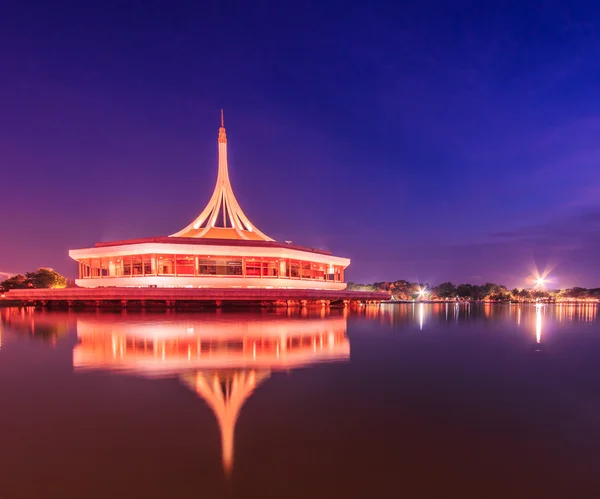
(222, 218)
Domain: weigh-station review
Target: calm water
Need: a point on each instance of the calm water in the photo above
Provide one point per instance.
(402, 401)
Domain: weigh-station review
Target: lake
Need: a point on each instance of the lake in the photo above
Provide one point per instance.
(407, 400)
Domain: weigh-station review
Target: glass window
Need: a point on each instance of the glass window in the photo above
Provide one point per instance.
(219, 266)
(332, 273)
(87, 271)
(270, 268)
(119, 267)
(126, 266)
(95, 267)
(147, 259)
(306, 270)
(136, 264)
(295, 269)
(253, 268)
(185, 265)
(166, 265)
(234, 267)
(207, 267)
(104, 267)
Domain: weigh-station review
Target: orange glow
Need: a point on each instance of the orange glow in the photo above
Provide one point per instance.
(222, 361)
(538, 323)
(222, 206)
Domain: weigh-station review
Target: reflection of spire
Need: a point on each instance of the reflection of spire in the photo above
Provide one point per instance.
(223, 361)
(225, 394)
(235, 224)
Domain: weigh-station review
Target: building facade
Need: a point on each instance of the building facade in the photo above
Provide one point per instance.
(221, 248)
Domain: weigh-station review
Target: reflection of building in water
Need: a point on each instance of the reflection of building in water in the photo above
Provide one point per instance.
(27, 321)
(223, 360)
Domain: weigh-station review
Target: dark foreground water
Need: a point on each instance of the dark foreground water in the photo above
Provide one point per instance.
(403, 401)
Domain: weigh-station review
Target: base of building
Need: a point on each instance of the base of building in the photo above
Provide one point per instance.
(183, 297)
(205, 282)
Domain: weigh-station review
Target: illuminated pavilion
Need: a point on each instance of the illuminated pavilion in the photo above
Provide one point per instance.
(221, 248)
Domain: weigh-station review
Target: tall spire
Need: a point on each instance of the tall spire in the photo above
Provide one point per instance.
(236, 224)
(222, 134)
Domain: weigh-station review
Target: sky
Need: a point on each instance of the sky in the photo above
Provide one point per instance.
(427, 141)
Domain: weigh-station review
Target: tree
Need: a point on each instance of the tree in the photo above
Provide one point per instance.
(46, 278)
(41, 278)
(18, 281)
(445, 290)
(464, 290)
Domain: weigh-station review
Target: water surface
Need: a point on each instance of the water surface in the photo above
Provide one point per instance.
(402, 400)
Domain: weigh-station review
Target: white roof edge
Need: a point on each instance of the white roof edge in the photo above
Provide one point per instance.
(217, 250)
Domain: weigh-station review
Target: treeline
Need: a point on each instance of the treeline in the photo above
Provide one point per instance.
(408, 291)
(41, 278)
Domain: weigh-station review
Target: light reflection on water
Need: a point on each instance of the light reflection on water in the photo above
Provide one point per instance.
(225, 358)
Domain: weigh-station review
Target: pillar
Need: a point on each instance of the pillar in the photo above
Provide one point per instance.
(124, 303)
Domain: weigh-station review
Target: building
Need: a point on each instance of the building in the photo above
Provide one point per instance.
(221, 248)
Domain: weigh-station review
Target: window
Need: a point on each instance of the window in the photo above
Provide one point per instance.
(234, 267)
(331, 273)
(95, 267)
(306, 270)
(148, 264)
(270, 268)
(126, 265)
(166, 265)
(294, 269)
(253, 268)
(136, 265)
(207, 267)
(185, 265)
(219, 266)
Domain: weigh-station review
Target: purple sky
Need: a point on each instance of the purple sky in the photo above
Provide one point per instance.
(442, 141)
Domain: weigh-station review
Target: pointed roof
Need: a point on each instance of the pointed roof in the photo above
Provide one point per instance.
(222, 218)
